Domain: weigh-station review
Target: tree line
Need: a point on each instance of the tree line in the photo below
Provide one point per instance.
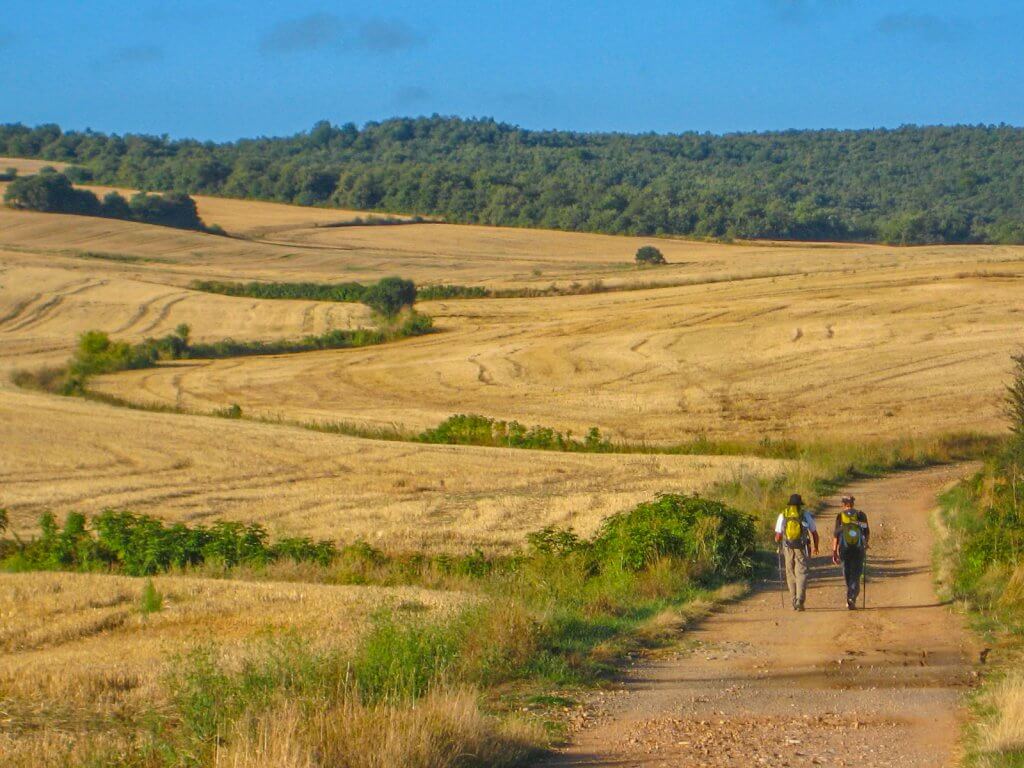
(908, 185)
(53, 192)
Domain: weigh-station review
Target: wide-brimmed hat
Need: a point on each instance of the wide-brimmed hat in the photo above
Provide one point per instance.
(796, 500)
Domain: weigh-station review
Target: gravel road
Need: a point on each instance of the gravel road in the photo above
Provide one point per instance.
(759, 684)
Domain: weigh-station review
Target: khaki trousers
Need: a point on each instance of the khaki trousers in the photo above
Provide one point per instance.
(796, 573)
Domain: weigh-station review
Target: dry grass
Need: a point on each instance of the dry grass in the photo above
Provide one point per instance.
(79, 661)
(1005, 731)
(28, 167)
(83, 639)
(63, 453)
(894, 342)
(884, 353)
(446, 729)
(43, 309)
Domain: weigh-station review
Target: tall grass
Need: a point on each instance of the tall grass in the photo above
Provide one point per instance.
(564, 612)
(984, 554)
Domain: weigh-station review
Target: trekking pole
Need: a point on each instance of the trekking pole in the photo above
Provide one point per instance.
(782, 579)
(864, 576)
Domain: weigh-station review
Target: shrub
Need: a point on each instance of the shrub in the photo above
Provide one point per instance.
(343, 292)
(1015, 399)
(139, 545)
(648, 255)
(233, 411)
(552, 540)
(50, 193)
(400, 661)
(473, 429)
(4, 520)
(79, 174)
(114, 206)
(9, 175)
(390, 296)
(151, 601)
(717, 539)
(445, 291)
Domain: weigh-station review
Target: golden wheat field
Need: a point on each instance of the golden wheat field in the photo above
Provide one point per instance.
(62, 454)
(78, 655)
(746, 341)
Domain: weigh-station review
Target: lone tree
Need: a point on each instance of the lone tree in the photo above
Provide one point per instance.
(649, 255)
(389, 296)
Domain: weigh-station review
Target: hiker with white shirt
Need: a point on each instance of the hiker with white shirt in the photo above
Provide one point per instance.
(795, 530)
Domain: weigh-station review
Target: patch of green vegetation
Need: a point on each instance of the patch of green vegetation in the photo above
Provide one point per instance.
(152, 601)
(649, 256)
(378, 221)
(96, 353)
(472, 429)
(52, 192)
(140, 545)
(387, 297)
(118, 257)
(450, 291)
(342, 292)
(982, 562)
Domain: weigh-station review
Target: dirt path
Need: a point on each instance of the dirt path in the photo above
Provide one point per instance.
(758, 684)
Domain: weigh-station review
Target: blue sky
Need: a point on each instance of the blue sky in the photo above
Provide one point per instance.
(222, 70)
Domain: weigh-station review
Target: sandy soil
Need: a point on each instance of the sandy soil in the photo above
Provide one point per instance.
(758, 684)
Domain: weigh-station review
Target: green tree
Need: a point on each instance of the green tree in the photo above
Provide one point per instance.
(649, 255)
(173, 209)
(50, 193)
(114, 206)
(390, 296)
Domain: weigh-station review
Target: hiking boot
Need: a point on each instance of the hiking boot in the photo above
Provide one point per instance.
(851, 603)
(799, 606)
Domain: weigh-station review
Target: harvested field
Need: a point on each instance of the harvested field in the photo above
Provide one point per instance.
(63, 453)
(43, 310)
(760, 339)
(873, 352)
(78, 656)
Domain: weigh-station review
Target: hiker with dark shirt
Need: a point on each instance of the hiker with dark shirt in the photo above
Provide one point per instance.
(849, 546)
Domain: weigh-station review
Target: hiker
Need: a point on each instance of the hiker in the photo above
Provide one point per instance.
(849, 546)
(794, 530)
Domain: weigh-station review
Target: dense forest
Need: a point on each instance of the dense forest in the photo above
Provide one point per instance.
(908, 185)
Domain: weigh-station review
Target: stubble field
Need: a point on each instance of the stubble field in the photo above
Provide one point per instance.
(746, 341)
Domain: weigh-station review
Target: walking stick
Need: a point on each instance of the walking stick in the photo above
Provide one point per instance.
(864, 575)
(782, 579)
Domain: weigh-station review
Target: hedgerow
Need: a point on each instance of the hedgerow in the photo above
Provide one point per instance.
(140, 545)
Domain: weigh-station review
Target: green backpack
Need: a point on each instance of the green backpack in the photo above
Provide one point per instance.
(850, 533)
(793, 527)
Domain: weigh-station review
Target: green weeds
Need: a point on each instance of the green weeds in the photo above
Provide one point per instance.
(152, 601)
